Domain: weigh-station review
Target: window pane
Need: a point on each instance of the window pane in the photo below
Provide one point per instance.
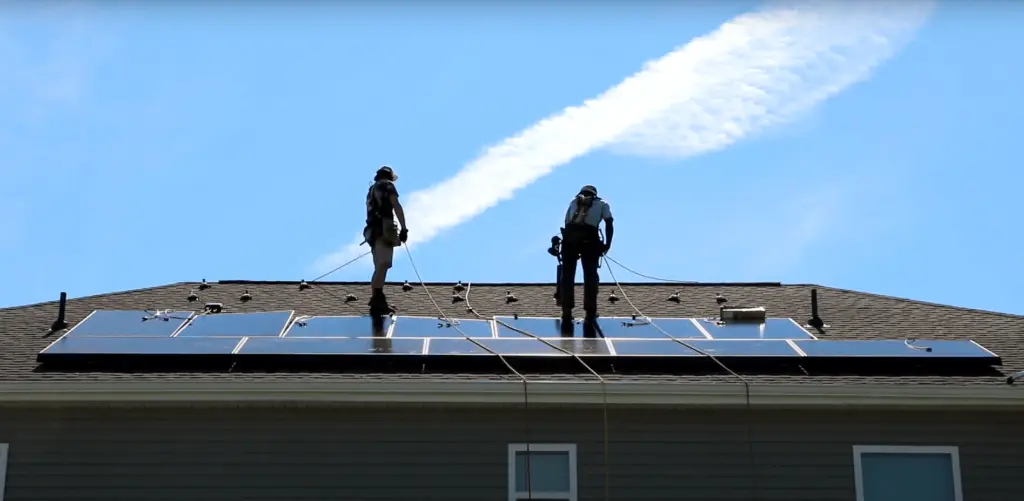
(549, 471)
(907, 477)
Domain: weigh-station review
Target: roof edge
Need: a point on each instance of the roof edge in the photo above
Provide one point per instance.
(511, 392)
(504, 284)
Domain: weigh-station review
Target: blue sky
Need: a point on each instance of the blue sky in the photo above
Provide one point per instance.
(153, 144)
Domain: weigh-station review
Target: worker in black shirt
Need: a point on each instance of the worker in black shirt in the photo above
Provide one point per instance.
(581, 243)
(382, 234)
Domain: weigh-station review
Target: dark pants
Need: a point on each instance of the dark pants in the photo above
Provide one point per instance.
(586, 249)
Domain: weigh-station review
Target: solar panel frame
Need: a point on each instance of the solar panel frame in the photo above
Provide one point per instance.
(503, 347)
(454, 334)
(654, 323)
(76, 330)
(220, 316)
(894, 349)
(315, 318)
(710, 327)
(60, 346)
(498, 319)
(286, 343)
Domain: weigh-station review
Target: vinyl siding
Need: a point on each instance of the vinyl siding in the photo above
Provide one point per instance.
(454, 454)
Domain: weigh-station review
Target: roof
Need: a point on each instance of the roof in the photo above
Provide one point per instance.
(849, 315)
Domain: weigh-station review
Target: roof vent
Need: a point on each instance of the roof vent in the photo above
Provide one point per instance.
(60, 323)
(350, 297)
(510, 298)
(406, 287)
(303, 285)
(457, 298)
(815, 321)
(740, 314)
(459, 287)
(674, 298)
(213, 307)
(203, 285)
(612, 298)
(720, 299)
(192, 296)
(245, 297)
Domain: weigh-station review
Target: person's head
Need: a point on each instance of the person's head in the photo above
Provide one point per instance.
(387, 173)
(588, 191)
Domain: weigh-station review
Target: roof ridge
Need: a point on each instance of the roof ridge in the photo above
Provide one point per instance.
(918, 301)
(95, 296)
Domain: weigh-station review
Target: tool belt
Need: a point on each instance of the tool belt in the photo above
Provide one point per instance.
(384, 229)
(580, 235)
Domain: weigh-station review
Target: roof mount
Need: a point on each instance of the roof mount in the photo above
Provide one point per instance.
(60, 323)
(213, 307)
(743, 314)
(1013, 379)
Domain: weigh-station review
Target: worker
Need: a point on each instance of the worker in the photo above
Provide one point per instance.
(581, 242)
(382, 234)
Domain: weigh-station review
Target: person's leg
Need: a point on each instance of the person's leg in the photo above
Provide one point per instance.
(590, 258)
(383, 257)
(567, 283)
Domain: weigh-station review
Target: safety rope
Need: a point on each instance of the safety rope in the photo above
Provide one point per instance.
(315, 281)
(649, 277)
(746, 384)
(601, 380)
(526, 391)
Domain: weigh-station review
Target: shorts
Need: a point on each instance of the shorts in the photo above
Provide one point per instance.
(383, 250)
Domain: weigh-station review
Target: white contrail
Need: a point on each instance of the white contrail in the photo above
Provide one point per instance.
(754, 71)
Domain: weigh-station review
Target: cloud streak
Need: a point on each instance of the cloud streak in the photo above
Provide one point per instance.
(755, 71)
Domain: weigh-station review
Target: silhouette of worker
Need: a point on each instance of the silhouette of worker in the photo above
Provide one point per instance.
(581, 242)
(382, 234)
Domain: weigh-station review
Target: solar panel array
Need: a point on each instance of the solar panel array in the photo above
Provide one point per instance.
(119, 333)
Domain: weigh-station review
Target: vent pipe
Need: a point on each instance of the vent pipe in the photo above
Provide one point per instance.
(60, 323)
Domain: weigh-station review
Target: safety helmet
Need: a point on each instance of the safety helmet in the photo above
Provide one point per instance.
(386, 172)
(588, 190)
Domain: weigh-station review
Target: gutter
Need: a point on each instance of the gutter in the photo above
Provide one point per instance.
(511, 392)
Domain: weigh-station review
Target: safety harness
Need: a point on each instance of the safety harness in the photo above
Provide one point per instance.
(577, 231)
(374, 218)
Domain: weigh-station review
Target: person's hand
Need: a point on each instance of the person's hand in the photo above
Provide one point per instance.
(403, 235)
(605, 248)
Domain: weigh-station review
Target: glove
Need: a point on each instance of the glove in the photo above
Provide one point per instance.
(605, 248)
(403, 235)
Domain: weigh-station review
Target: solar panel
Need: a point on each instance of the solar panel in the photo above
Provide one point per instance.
(651, 348)
(746, 348)
(511, 347)
(719, 348)
(538, 326)
(627, 327)
(141, 346)
(134, 323)
(330, 346)
(890, 348)
(264, 324)
(406, 327)
(341, 326)
(773, 328)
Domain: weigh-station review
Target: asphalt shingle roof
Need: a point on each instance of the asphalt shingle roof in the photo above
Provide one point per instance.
(849, 315)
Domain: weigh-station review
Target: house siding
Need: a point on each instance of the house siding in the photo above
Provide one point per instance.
(460, 453)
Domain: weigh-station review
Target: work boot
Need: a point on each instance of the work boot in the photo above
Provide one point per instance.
(567, 322)
(379, 305)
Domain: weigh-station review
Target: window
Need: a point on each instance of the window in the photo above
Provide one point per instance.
(3, 469)
(907, 473)
(552, 472)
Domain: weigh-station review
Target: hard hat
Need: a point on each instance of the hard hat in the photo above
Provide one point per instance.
(387, 171)
(589, 189)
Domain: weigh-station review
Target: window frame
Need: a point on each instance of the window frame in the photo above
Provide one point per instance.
(570, 449)
(952, 450)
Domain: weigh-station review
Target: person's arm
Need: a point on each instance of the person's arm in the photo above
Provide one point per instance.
(399, 211)
(609, 226)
